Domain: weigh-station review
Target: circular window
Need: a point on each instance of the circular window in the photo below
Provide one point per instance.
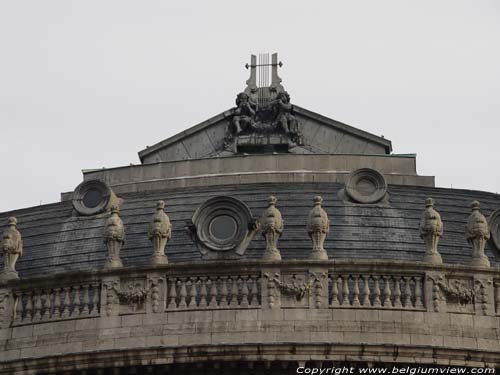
(223, 227)
(93, 197)
(222, 223)
(366, 185)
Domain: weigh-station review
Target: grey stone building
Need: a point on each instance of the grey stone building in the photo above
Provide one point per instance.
(262, 240)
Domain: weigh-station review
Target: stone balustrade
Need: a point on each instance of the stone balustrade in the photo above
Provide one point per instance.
(381, 305)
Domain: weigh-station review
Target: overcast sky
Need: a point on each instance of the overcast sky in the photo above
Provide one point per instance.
(86, 84)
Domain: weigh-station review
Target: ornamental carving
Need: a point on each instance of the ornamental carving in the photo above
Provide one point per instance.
(114, 238)
(263, 118)
(478, 232)
(271, 224)
(318, 226)
(453, 291)
(159, 233)
(298, 288)
(431, 230)
(12, 248)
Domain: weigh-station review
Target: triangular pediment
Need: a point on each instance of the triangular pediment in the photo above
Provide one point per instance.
(214, 138)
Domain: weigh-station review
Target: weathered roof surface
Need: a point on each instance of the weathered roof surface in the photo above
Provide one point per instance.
(56, 240)
(321, 135)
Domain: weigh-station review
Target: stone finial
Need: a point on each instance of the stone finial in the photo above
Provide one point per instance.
(318, 226)
(159, 233)
(478, 232)
(114, 237)
(272, 226)
(12, 248)
(431, 229)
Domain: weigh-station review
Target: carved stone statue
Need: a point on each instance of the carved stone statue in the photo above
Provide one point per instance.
(159, 233)
(431, 229)
(244, 114)
(284, 119)
(271, 224)
(318, 226)
(12, 248)
(478, 232)
(114, 237)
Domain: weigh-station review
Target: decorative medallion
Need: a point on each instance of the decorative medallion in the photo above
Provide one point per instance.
(494, 221)
(221, 225)
(366, 185)
(93, 197)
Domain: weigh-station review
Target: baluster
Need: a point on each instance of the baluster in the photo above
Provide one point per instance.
(86, 300)
(212, 302)
(234, 291)
(57, 303)
(182, 294)
(19, 307)
(244, 291)
(254, 292)
(408, 303)
(29, 306)
(335, 291)
(65, 302)
(397, 292)
(366, 290)
(203, 292)
(172, 294)
(376, 291)
(37, 314)
(77, 301)
(96, 306)
(223, 292)
(387, 291)
(47, 304)
(418, 293)
(345, 290)
(192, 292)
(355, 291)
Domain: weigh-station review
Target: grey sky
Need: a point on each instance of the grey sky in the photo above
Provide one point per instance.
(87, 84)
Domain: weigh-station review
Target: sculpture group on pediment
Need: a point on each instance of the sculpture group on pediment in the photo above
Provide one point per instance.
(266, 117)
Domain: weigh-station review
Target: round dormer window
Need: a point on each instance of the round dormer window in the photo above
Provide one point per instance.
(93, 197)
(366, 185)
(222, 223)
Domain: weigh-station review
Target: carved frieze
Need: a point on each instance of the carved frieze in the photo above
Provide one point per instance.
(453, 294)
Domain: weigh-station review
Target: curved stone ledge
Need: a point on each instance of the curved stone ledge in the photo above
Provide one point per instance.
(398, 170)
(336, 310)
(292, 354)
